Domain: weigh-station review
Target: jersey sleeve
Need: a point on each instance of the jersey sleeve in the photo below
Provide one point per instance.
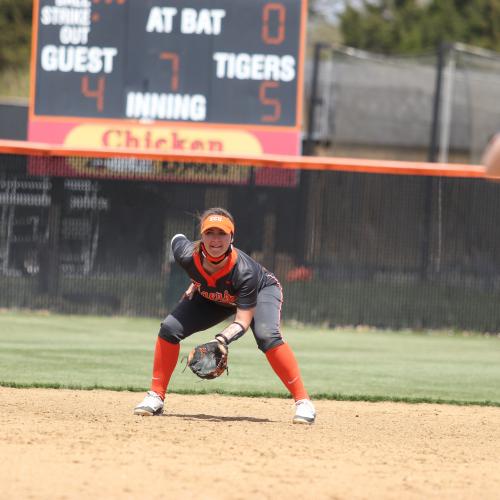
(182, 249)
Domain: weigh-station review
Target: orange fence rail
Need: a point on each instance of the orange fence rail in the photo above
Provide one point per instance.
(273, 161)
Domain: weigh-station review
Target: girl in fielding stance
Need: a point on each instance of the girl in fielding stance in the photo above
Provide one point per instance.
(224, 282)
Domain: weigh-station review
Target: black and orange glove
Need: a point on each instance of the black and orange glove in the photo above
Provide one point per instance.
(208, 360)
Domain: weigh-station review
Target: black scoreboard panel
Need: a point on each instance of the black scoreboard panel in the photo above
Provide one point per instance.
(199, 61)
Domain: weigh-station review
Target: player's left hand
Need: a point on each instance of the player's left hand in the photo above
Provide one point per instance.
(189, 293)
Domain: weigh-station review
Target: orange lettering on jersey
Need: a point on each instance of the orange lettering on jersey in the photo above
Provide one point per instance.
(228, 298)
(225, 298)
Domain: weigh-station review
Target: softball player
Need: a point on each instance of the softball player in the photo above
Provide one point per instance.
(224, 282)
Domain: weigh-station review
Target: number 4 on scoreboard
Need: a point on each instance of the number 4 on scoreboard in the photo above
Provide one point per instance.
(97, 93)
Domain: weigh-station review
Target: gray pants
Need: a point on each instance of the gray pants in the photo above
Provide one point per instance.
(197, 314)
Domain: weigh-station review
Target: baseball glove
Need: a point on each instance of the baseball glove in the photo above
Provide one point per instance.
(208, 360)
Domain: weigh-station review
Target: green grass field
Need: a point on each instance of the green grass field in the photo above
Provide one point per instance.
(85, 352)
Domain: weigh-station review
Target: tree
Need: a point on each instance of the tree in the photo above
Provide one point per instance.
(15, 33)
(323, 22)
(412, 26)
(484, 23)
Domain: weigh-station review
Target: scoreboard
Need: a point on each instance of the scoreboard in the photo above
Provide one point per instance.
(171, 67)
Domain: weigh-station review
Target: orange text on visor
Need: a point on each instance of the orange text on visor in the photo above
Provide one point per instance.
(219, 222)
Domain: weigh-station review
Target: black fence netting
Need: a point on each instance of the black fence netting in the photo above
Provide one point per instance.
(349, 248)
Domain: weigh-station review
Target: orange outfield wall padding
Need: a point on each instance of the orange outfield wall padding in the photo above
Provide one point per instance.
(263, 161)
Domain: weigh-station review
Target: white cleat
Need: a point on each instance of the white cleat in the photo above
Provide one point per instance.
(304, 412)
(151, 405)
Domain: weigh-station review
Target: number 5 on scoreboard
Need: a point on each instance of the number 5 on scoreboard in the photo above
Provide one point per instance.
(270, 102)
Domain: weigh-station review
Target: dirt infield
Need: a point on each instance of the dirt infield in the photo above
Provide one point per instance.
(61, 444)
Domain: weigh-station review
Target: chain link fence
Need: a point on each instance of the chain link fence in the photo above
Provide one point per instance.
(349, 248)
(368, 105)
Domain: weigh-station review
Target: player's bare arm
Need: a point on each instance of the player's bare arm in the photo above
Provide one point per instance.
(238, 327)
